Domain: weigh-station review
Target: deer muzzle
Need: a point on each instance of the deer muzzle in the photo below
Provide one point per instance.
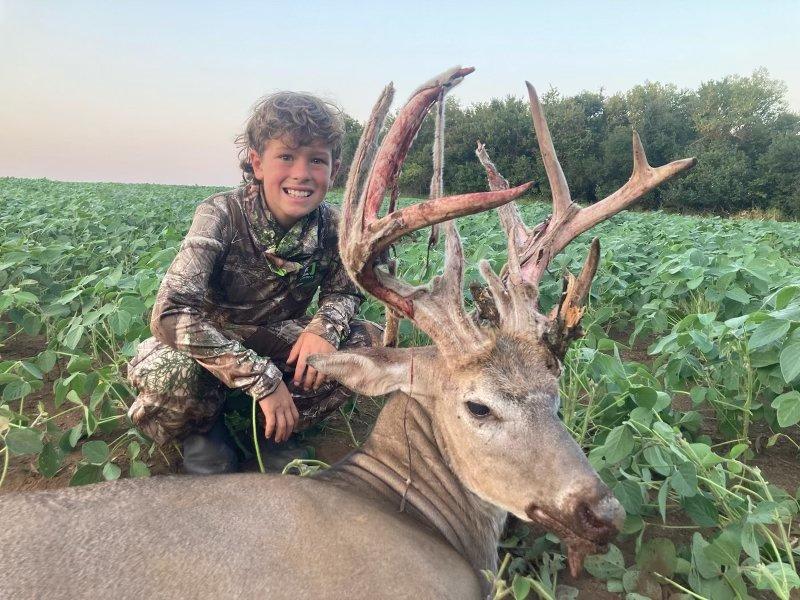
(586, 523)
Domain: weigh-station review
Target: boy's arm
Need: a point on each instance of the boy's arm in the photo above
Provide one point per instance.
(339, 300)
(179, 320)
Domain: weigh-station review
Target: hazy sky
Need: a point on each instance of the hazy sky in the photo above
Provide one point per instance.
(156, 91)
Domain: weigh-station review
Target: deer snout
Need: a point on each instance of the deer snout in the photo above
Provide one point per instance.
(599, 516)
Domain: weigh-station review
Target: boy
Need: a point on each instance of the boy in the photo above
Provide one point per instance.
(230, 310)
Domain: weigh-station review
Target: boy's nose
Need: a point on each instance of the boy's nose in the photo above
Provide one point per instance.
(299, 170)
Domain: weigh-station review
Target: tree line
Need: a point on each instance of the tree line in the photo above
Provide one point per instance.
(740, 128)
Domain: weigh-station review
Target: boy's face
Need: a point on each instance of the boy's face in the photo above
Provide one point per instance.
(295, 178)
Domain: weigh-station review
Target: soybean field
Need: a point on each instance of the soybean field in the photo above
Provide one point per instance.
(685, 391)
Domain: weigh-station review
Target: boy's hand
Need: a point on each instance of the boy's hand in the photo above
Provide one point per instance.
(280, 413)
(305, 375)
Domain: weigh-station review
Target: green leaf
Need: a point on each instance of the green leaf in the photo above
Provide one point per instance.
(749, 542)
(737, 450)
(701, 510)
(777, 572)
(610, 565)
(725, 550)
(788, 407)
(684, 481)
(737, 294)
(111, 472)
(73, 336)
(24, 440)
(615, 586)
(73, 397)
(138, 469)
(618, 444)
(95, 452)
(46, 360)
(790, 362)
(768, 332)
(86, 474)
(521, 587)
(31, 324)
(49, 460)
(643, 396)
(15, 390)
(630, 496)
(79, 363)
(657, 555)
(75, 434)
(133, 450)
(705, 567)
(663, 495)
(32, 369)
(119, 321)
(657, 460)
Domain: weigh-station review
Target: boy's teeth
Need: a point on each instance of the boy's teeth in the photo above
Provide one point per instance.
(298, 193)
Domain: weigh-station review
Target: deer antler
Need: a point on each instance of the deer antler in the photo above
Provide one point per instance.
(531, 250)
(436, 309)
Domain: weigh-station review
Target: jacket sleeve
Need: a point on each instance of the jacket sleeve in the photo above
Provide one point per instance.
(179, 320)
(339, 301)
(339, 298)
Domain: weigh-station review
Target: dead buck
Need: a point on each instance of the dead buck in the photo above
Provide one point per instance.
(469, 434)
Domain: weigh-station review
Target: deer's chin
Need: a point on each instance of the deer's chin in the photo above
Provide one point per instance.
(578, 546)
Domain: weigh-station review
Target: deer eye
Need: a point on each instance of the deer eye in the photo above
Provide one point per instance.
(479, 410)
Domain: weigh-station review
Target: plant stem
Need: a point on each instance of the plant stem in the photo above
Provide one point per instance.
(5, 465)
(255, 439)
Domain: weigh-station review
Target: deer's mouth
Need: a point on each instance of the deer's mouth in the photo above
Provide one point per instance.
(589, 535)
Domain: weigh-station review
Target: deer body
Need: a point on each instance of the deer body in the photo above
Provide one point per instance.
(340, 534)
(471, 431)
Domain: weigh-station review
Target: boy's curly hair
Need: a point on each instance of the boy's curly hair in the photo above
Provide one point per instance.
(297, 116)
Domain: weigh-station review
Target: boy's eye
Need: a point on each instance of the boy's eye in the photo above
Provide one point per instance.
(285, 157)
(319, 161)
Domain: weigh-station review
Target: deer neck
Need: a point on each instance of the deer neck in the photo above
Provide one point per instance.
(402, 462)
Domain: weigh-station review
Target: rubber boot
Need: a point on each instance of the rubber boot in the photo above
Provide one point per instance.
(277, 456)
(210, 453)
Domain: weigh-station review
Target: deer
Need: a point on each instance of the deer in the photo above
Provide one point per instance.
(469, 434)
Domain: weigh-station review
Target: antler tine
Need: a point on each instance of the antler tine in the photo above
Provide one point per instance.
(555, 175)
(643, 179)
(513, 303)
(398, 140)
(437, 181)
(369, 235)
(363, 160)
(530, 251)
(440, 308)
(569, 220)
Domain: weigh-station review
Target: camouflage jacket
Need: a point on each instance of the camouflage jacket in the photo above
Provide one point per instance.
(236, 270)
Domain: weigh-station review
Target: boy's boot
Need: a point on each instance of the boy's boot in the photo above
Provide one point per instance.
(210, 453)
(277, 456)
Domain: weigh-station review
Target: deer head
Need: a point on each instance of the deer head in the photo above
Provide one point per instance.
(489, 385)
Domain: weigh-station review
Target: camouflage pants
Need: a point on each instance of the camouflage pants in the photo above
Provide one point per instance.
(176, 396)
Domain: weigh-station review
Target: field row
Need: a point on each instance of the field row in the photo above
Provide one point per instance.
(690, 364)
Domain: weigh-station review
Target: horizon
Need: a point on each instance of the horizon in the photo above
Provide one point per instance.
(156, 94)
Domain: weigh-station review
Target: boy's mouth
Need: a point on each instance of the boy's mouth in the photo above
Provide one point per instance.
(297, 193)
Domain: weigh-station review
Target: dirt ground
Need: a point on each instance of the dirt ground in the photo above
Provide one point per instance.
(339, 436)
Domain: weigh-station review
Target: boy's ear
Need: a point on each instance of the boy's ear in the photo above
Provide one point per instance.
(372, 371)
(255, 162)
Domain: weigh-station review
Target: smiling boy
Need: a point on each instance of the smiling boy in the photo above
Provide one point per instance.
(230, 312)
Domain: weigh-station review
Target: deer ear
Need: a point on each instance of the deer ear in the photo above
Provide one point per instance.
(372, 371)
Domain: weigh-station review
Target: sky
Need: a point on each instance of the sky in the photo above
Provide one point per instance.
(157, 91)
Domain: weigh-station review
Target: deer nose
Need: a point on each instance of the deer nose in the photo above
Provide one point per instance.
(598, 517)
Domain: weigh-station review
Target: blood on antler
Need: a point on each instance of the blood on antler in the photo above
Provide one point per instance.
(531, 250)
(437, 309)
